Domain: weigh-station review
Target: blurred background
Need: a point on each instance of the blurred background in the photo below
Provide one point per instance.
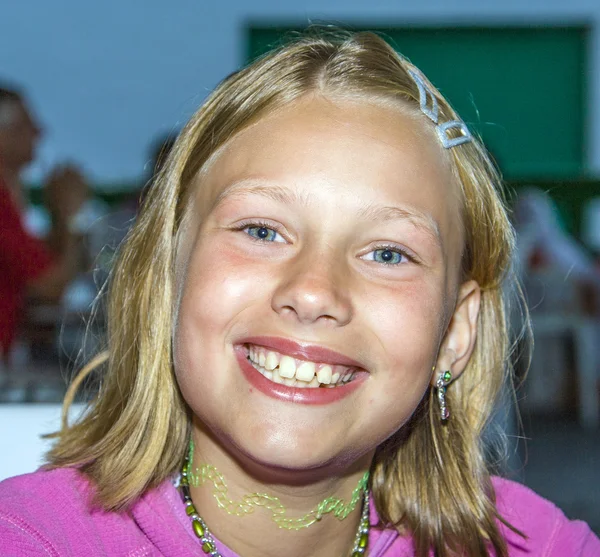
(92, 95)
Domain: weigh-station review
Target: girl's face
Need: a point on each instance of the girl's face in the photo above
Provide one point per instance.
(326, 244)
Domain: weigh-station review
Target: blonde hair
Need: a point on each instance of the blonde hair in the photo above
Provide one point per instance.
(429, 480)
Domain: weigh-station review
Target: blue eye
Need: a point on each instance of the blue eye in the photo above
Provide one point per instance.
(387, 256)
(263, 233)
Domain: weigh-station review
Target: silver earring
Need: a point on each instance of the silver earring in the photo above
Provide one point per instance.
(441, 385)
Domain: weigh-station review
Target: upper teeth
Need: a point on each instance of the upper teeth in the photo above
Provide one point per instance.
(285, 369)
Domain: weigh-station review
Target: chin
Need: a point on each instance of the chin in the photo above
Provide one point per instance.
(291, 457)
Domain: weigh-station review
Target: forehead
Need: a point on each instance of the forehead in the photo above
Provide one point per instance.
(374, 154)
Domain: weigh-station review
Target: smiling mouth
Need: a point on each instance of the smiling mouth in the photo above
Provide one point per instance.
(293, 372)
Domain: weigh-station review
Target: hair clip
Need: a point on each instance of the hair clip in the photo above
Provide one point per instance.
(449, 142)
(425, 94)
(429, 106)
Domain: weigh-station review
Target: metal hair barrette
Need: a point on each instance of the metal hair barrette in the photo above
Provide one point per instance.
(429, 107)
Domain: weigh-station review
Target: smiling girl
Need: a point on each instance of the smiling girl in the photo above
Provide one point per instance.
(307, 334)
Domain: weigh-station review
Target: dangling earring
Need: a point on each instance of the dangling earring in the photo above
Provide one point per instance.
(441, 384)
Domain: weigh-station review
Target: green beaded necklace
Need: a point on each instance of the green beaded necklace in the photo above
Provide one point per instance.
(208, 543)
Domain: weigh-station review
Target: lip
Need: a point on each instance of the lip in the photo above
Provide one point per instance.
(309, 352)
(310, 396)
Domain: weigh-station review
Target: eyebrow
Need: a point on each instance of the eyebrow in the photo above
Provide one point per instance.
(258, 187)
(421, 221)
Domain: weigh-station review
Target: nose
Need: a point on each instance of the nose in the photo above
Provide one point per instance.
(314, 290)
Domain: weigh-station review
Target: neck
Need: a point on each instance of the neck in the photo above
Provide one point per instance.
(257, 533)
(11, 177)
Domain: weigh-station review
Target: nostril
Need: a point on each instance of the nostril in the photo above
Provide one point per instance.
(310, 296)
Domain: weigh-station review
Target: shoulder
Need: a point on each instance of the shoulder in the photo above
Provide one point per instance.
(45, 489)
(34, 508)
(62, 482)
(49, 512)
(548, 531)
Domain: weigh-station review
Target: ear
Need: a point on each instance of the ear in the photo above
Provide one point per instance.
(459, 340)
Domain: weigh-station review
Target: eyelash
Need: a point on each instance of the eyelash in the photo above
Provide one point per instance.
(244, 226)
(393, 249)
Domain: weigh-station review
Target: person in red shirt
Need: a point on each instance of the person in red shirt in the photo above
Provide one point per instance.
(28, 264)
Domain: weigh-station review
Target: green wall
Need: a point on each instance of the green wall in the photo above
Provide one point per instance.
(523, 89)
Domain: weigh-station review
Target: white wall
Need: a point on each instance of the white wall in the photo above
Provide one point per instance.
(106, 77)
(21, 428)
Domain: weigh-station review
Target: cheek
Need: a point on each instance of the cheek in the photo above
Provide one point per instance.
(407, 325)
(407, 321)
(216, 282)
(217, 286)
(213, 292)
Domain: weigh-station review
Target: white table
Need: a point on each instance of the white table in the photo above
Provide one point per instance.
(21, 426)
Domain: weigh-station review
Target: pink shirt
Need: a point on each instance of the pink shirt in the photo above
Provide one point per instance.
(46, 513)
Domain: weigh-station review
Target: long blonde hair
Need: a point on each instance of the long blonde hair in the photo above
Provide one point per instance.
(429, 480)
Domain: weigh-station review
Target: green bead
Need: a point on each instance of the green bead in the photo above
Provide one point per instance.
(207, 547)
(447, 376)
(364, 540)
(190, 510)
(199, 530)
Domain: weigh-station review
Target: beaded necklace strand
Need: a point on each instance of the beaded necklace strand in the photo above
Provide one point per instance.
(207, 542)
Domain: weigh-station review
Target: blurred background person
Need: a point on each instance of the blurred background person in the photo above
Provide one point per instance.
(545, 248)
(110, 230)
(28, 265)
(562, 285)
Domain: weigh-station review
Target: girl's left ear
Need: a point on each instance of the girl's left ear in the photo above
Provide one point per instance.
(459, 340)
